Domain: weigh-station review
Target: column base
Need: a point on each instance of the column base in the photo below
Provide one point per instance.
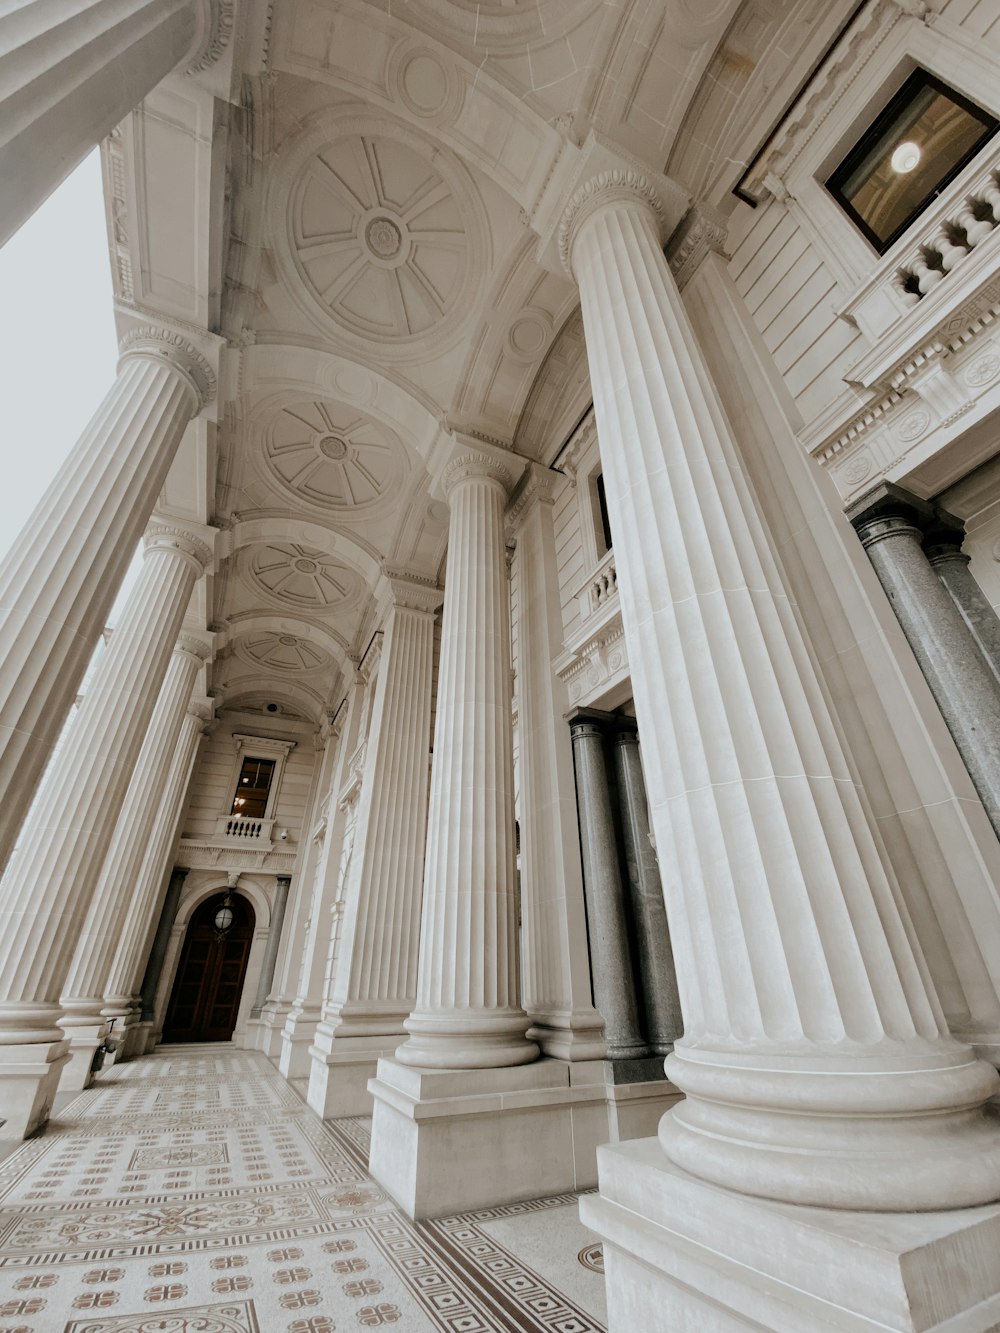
(568, 1034)
(29, 1079)
(444, 1141)
(138, 1039)
(83, 1044)
(637, 1093)
(683, 1254)
(340, 1073)
(270, 1023)
(297, 1038)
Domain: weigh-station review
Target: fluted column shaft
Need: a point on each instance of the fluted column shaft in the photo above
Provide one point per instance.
(161, 939)
(47, 892)
(60, 579)
(375, 985)
(130, 968)
(282, 885)
(815, 1047)
(658, 977)
(963, 683)
(468, 1012)
(557, 991)
(69, 73)
(117, 909)
(951, 565)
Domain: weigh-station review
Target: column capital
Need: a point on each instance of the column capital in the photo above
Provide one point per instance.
(194, 540)
(215, 31)
(199, 646)
(160, 344)
(702, 232)
(535, 487)
(283, 881)
(889, 511)
(413, 592)
(599, 174)
(202, 709)
(473, 463)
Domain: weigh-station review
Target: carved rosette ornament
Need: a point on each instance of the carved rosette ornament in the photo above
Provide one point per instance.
(616, 185)
(475, 465)
(164, 345)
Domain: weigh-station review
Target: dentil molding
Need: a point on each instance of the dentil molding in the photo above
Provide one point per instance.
(215, 33)
(159, 535)
(469, 466)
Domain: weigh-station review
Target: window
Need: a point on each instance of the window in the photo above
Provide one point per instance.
(253, 787)
(923, 138)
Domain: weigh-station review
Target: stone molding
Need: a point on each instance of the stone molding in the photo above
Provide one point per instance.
(474, 466)
(160, 535)
(536, 485)
(369, 664)
(161, 344)
(412, 592)
(702, 231)
(615, 185)
(215, 34)
(200, 710)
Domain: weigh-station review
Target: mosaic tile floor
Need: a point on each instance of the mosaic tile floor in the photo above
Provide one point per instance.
(194, 1192)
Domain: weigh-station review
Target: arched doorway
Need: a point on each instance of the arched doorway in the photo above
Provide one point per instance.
(205, 999)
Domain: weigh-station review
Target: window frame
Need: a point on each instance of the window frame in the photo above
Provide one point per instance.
(918, 79)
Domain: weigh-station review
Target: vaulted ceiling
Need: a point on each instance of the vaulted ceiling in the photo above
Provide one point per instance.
(340, 210)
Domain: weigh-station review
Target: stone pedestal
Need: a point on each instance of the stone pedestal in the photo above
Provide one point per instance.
(92, 995)
(451, 1140)
(375, 984)
(60, 579)
(49, 888)
(680, 1254)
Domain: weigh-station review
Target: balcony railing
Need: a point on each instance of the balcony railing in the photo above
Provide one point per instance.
(244, 829)
(599, 591)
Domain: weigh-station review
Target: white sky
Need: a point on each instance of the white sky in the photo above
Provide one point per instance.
(57, 339)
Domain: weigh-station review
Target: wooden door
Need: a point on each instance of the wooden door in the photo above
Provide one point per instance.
(205, 999)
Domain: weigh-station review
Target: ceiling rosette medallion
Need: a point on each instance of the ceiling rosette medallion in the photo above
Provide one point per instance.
(386, 235)
(330, 457)
(285, 653)
(289, 574)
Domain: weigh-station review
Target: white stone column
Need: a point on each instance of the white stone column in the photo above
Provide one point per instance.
(468, 1013)
(282, 884)
(308, 951)
(118, 912)
(455, 1107)
(70, 72)
(375, 984)
(816, 1062)
(557, 992)
(47, 892)
(60, 579)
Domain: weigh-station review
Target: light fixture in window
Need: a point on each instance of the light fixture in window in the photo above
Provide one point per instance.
(914, 148)
(224, 917)
(905, 158)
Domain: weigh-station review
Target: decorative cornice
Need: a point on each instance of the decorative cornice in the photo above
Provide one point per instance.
(616, 185)
(473, 466)
(174, 536)
(537, 484)
(702, 231)
(163, 345)
(217, 32)
(413, 592)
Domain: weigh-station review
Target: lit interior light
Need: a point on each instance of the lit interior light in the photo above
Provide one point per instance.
(224, 917)
(905, 157)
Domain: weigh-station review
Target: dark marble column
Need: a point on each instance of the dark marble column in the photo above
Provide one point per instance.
(151, 977)
(965, 687)
(652, 936)
(943, 545)
(273, 941)
(604, 892)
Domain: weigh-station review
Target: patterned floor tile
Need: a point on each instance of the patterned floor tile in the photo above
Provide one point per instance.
(194, 1192)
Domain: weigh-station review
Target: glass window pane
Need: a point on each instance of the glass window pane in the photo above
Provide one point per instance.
(253, 787)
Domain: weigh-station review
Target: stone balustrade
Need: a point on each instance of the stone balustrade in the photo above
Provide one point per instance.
(970, 221)
(599, 591)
